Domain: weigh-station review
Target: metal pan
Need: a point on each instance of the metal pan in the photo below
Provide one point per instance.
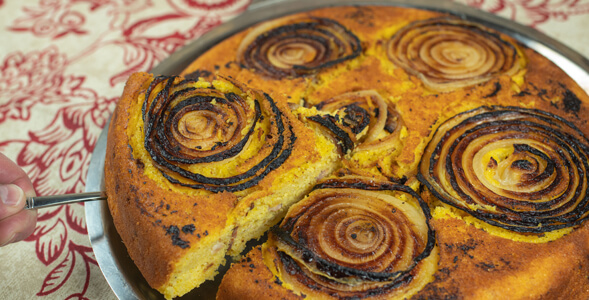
(119, 270)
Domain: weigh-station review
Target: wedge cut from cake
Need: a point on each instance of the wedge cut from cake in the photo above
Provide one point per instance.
(196, 169)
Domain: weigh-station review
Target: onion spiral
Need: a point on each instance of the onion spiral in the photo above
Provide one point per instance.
(354, 237)
(192, 128)
(521, 169)
(449, 53)
(298, 48)
(373, 120)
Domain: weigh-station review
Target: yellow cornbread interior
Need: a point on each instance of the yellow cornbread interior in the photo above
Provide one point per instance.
(198, 265)
(252, 219)
(314, 156)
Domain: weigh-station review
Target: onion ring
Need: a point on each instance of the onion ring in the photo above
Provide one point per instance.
(449, 53)
(520, 169)
(299, 48)
(187, 127)
(354, 237)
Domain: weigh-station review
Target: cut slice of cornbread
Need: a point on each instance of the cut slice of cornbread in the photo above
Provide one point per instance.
(187, 187)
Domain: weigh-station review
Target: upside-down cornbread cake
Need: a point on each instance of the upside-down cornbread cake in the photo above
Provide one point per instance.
(388, 153)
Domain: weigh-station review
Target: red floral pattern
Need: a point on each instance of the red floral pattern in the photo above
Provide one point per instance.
(60, 77)
(50, 19)
(57, 109)
(532, 12)
(36, 82)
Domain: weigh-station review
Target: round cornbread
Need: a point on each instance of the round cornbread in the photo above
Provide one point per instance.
(332, 72)
(476, 260)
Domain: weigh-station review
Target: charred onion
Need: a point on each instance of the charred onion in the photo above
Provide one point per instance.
(373, 119)
(520, 169)
(191, 127)
(354, 237)
(298, 48)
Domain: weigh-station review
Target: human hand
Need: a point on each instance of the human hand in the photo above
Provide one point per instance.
(15, 223)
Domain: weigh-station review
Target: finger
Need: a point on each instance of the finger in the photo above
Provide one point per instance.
(17, 227)
(15, 223)
(12, 200)
(12, 173)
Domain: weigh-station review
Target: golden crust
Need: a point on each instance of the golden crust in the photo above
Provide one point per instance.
(474, 262)
(500, 268)
(494, 265)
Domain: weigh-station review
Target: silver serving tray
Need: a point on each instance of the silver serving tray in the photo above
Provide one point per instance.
(119, 270)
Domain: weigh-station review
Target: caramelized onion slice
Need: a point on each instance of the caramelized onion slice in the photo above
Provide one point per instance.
(341, 134)
(373, 119)
(520, 169)
(297, 47)
(353, 237)
(449, 53)
(190, 126)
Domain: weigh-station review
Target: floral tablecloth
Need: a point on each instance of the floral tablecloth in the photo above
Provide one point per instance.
(63, 64)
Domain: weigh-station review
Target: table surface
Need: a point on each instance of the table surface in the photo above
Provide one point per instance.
(63, 64)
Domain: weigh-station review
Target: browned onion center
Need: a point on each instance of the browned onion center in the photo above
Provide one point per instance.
(373, 119)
